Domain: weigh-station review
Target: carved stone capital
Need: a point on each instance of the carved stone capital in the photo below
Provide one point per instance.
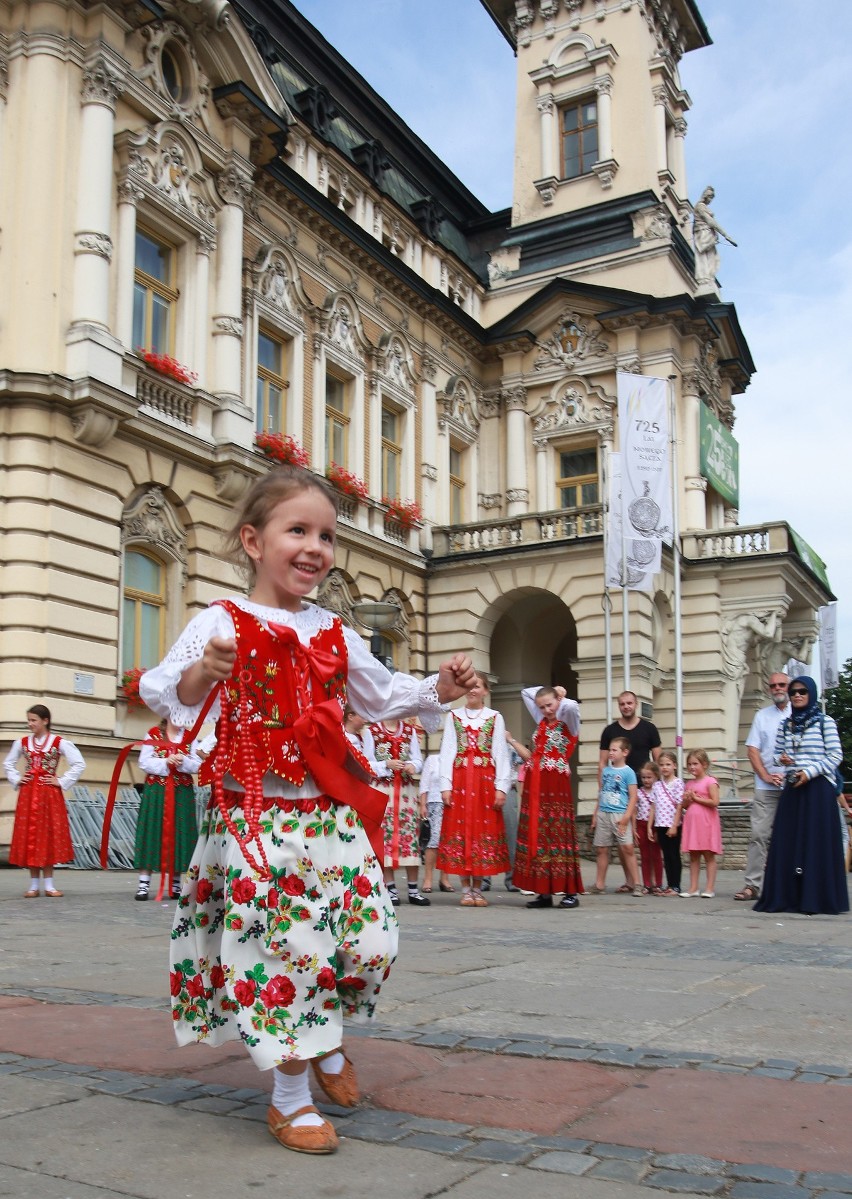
(659, 94)
(515, 398)
(205, 244)
(129, 192)
(233, 185)
(680, 127)
(102, 83)
(546, 104)
(695, 483)
(486, 501)
(691, 381)
(518, 495)
(429, 367)
(429, 472)
(603, 85)
(89, 242)
(606, 170)
(546, 188)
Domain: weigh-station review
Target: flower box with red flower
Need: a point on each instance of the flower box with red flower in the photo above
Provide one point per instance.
(346, 482)
(281, 447)
(164, 364)
(130, 688)
(407, 513)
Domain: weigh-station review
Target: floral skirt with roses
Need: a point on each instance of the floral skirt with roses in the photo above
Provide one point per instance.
(279, 963)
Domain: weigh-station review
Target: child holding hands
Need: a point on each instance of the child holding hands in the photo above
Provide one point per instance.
(702, 828)
(284, 924)
(665, 817)
(649, 851)
(612, 819)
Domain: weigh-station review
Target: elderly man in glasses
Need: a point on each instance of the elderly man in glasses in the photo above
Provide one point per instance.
(768, 781)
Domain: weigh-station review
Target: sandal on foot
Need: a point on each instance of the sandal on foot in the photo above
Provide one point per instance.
(748, 893)
(342, 1088)
(479, 900)
(467, 900)
(596, 890)
(32, 894)
(445, 887)
(52, 893)
(425, 890)
(307, 1138)
(624, 889)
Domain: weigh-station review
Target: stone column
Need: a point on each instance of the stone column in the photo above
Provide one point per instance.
(428, 409)
(679, 164)
(129, 196)
(660, 128)
(547, 112)
(542, 451)
(233, 185)
(517, 484)
(603, 87)
(695, 508)
(102, 86)
(204, 247)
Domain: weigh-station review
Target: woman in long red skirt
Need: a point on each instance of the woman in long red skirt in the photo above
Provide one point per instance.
(475, 775)
(41, 836)
(547, 859)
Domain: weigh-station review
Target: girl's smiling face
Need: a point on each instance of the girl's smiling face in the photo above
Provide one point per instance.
(294, 551)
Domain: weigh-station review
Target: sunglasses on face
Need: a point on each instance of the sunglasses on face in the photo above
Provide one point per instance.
(776, 686)
(796, 691)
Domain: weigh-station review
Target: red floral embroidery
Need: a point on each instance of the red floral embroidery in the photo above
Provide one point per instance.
(217, 977)
(363, 885)
(245, 991)
(291, 884)
(326, 979)
(203, 891)
(243, 890)
(278, 992)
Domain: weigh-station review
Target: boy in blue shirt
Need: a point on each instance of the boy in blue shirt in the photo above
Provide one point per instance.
(612, 820)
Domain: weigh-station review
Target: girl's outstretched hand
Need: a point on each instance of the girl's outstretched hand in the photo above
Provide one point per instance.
(455, 678)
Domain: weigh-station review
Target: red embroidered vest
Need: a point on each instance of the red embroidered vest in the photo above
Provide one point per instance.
(164, 750)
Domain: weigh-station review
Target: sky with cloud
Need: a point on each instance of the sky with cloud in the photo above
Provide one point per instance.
(770, 129)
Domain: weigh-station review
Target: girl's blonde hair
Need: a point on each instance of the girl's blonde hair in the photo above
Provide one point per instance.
(650, 766)
(258, 504)
(670, 755)
(700, 755)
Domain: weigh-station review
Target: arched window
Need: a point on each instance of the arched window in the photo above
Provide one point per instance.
(144, 602)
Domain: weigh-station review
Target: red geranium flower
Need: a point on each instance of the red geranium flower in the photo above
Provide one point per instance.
(278, 992)
(245, 991)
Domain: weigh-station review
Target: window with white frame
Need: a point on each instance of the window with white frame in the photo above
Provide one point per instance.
(578, 137)
(271, 383)
(392, 429)
(337, 420)
(155, 293)
(578, 477)
(456, 485)
(144, 610)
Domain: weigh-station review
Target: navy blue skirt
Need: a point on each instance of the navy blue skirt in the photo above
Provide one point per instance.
(805, 871)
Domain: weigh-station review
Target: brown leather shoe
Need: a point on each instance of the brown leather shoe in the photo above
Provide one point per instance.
(305, 1139)
(342, 1088)
(53, 893)
(32, 894)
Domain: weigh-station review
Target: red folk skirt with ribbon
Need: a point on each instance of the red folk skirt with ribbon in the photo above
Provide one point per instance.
(473, 836)
(547, 858)
(41, 836)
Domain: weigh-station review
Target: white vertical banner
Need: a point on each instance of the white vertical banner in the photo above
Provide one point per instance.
(632, 565)
(646, 503)
(828, 663)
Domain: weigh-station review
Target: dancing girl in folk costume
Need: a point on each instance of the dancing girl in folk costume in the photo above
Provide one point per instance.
(475, 776)
(547, 859)
(398, 762)
(284, 924)
(41, 836)
(167, 829)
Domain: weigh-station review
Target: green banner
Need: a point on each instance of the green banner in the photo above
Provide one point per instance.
(811, 559)
(720, 457)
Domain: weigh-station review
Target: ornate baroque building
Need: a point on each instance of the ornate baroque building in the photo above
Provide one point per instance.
(211, 182)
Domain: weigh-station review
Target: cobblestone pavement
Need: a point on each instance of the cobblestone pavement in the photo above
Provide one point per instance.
(721, 1019)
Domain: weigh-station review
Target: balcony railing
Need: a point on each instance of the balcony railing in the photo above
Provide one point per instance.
(166, 399)
(738, 541)
(508, 533)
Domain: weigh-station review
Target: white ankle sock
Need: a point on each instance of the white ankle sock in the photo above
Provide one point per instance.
(48, 884)
(292, 1091)
(332, 1063)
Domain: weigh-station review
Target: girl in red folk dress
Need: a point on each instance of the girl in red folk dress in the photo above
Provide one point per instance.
(475, 774)
(284, 924)
(399, 761)
(547, 859)
(169, 796)
(41, 836)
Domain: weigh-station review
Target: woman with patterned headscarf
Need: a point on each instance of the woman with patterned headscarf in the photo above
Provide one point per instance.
(804, 867)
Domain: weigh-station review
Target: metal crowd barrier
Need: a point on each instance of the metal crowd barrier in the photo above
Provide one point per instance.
(86, 818)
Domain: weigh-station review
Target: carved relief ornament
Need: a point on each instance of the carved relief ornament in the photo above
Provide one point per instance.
(574, 338)
(336, 595)
(569, 409)
(102, 82)
(395, 364)
(151, 520)
(164, 163)
(275, 281)
(458, 409)
(192, 103)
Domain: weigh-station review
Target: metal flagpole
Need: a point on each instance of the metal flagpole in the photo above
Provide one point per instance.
(676, 567)
(606, 601)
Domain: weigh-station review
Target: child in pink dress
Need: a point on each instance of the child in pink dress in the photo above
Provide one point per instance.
(702, 828)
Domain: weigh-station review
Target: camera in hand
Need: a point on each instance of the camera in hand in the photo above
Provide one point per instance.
(792, 776)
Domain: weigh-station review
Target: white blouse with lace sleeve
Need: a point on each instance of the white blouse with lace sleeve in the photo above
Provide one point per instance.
(372, 690)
